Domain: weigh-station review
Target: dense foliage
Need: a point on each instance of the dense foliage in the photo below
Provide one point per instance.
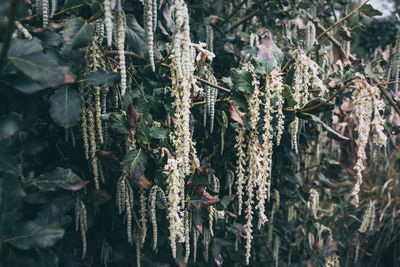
(163, 133)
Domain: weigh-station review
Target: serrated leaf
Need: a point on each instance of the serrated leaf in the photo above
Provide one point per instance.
(370, 11)
(242, 80)
(54, 180)
(77, 32)
(135, 161)
(11, 197)
(33, 234)
(103, 77)
(65, 107)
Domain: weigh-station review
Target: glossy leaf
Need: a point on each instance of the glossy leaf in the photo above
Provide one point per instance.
(54, 180)
(65, 107)
(103, 77)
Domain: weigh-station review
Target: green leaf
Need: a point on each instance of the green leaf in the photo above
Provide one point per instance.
(11, 197)
(269, 56)
(51, 215)
(65, 107)
(304, 4)
(118, 123)
(10, 125)
(242, 80)
(103, 77)
(33, 234)
(22, 47)
(158, 133)
(54, 180)
(331, 132)
(368, 70)
(369, 11)
(135, 160)
(316, 101)
(43, 69)
(135, 36)
(9, 164)
(78, 32)
(287, 94)
(47, 258)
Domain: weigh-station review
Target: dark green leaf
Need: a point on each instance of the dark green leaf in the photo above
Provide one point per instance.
(9, 164)
(103, 77)
(65, 107)
(118, 123)
(304, 4)
(10, 125)
(135, 160)
(47, 258)
(331, 132)
(22, 47)
(242, 80)
(33, 234)
(317, 101)
(78, 32)
(41, 68)
(135, 37)
(158, 133)
(370, 11)
(54, 180)
(11, 197)
(287, 94)
(51, 215)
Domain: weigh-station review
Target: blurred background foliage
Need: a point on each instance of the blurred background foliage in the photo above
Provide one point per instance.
(43, 169)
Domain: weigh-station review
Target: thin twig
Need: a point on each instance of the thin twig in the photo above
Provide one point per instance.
(127, 53)
(212, 85)
(343, 19)
(205, 102)
(70, 8)
(243, 19)
(392, 102)
(10, 30)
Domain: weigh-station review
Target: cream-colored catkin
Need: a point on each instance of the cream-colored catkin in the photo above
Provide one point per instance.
(138, 246)
(108, 21)
(277, 245)
(196, 235)
(310, 36)
(154, 191)
(225, 124)
(211, 219)
(313, 202)
(124, 202)
(143, 216)
(53, 8)
(106, 253)
(45, 12)
(206, 242)
(81, 223)
(277, 93)
(97, 102)
(121, 51)
(187, 237)
(240, 166)
(23, 30)
(92, 143)
(84, 125)
(368, 219)
(149, 28)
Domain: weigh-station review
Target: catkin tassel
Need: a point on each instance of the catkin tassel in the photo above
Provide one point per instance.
(121, 51)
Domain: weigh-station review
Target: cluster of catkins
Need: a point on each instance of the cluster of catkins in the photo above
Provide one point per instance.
(116, 6)
(367, 106)
(305, 78)
(93, 105)
(185, 159)
(258, 156)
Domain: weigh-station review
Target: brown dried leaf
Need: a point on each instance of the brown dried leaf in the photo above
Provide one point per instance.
(235, 113)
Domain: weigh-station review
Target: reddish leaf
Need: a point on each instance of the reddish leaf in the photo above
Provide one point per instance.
(76, 186)
(235, 113)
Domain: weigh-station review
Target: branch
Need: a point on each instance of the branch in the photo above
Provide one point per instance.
(10, 29)
(243, 19)
(70, 8)
(212, 85)
(343, 19)
(392, 102)
(127, 53)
